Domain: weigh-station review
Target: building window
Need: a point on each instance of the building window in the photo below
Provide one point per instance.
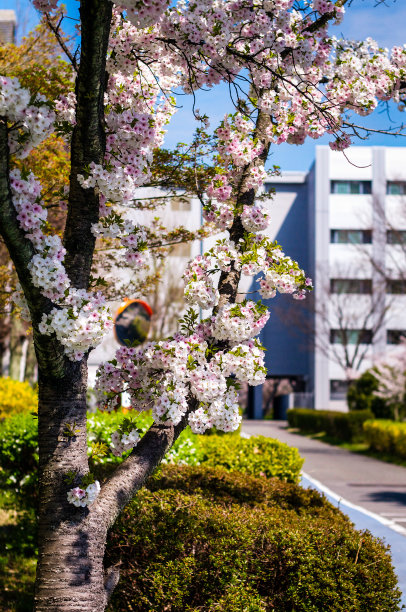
(396, 286)
(394, 336)
(180, 204)
(340, 236)
(350, 336)
(351, 285)
(396, 187)
(338, 389)
(396, 237)
(351, 187)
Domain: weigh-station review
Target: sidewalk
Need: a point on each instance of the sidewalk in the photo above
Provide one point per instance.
(372, 493)
(376, 486)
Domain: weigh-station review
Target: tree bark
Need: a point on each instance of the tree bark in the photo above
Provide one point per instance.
(88, 139)
(70, 574)
(30, 374)
(16, 346)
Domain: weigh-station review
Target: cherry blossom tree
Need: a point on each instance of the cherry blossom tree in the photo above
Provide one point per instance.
(390, 374)
(289, 80)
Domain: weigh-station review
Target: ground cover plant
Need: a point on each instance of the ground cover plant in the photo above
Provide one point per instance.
(289, 79)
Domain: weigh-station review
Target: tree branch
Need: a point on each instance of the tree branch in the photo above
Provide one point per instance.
(49, 351)
(88, 139)
(129, 477)
(55, 29)
(228, 283)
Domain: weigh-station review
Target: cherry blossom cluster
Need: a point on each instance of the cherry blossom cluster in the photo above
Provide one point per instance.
(237, 147)
(274, 281)
(32, 118)
(131, 237)
(219, 188)
(199, 287)
(237, 322)
(245, 361)
(45, 6)
(219, 40)
(79, 318)
(390, 375)
(144, 13)
(18, 298)
(84, 497)
(65, 108)
(165, 375)
(223, 414)
(219, 213)
(280, 46)
(80, 323)
(122, 442)
(171, 403)
(136, 110)
(253, 255)
(254, 218)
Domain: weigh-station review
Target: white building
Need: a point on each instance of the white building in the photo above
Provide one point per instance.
(345, 222)
(8, 25)
(177, 211)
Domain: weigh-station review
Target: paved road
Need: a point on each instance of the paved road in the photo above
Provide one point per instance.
(372, 493)
(374, 485)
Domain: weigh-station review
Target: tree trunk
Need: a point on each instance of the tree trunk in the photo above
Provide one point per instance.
(71, 547)
(17, 338)
(30, 374)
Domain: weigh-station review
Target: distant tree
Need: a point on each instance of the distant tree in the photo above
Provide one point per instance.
(361, 396)
(390, 374)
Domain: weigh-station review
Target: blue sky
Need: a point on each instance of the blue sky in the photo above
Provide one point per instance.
(385, 23)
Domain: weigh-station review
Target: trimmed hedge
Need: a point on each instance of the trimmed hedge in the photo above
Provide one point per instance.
(386, 437)
(16, 397)
(258, 456)
(204, 540)
(345, 426)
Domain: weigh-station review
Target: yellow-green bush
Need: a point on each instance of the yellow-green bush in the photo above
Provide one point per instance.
(386, 437)
(258, 456)
(16, 397)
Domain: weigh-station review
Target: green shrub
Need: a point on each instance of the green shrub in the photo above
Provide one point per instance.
(100, 426)
(204, 540)
(258, 456)
(361, 396)
(16, 397)
(345, 426)
(386, 437)
(19, 450)
(19, 458)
